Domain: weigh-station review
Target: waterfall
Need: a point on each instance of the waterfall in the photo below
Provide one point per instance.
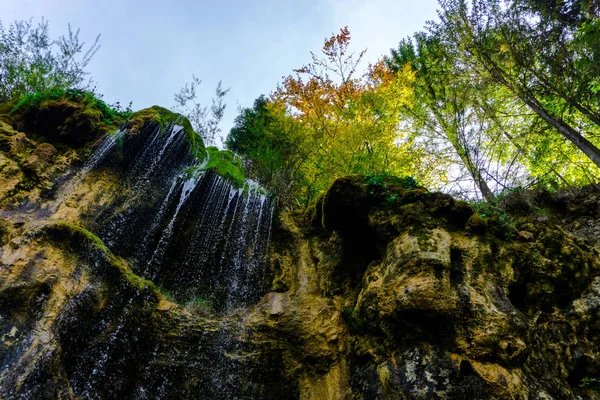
(199, 239)
(229, 234)
(187, 187)
(188, 230)
(107, 144)
(103, 150)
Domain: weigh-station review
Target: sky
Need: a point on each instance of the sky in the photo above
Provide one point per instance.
(150, 49)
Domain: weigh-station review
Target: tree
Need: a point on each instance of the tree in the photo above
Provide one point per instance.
(205, 120)
(351, 117)
(272, 144)
(536, 59)
(443, 102)
(32, 62)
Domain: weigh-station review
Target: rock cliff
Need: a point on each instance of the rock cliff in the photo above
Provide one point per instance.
(125, 274)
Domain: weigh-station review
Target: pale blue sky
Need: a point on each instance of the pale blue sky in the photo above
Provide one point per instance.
(151, 48)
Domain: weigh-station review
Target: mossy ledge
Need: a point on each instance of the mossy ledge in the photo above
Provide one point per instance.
(73, 117)
(227, 165)
(166, 118)
(82, 243)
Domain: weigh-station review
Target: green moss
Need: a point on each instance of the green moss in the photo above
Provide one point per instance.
(199, 305)
(71, 117)
(227, 165)
(4, 231)
(425, 241)
(45, 151)
(381, 181)
(84, 243)
(476, 224)
(5, 109)
(499, 221)
(165, 118)
(313, 215)
(589, 382)
(94, 107)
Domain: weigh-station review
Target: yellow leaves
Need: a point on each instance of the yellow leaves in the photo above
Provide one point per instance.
(351, 119)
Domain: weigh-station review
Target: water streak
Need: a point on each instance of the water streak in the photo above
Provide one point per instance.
(172, 218)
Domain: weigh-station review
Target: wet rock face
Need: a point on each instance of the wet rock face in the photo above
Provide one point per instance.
(77, 323)
(447, 307)
(29, 167)
(166, 218)
(381, 290)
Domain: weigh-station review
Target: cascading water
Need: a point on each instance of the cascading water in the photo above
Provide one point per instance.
(149, 163)
(106, 145)
(224, 256)
(157, 256)
(174, 216)
(199, 239)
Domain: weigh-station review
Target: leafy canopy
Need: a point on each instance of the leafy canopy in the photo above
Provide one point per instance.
(350, 115)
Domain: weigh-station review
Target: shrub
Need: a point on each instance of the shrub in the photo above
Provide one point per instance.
(30, 61)
(110, 115)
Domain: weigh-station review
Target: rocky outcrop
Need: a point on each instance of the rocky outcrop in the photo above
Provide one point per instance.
(435, 304)
(379, 290)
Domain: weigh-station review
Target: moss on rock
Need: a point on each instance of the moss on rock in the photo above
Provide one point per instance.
(83, 243)
(45, 151)
(476, 224)
(70, 117)
(4, 231)
(225, 164)
(165, 118)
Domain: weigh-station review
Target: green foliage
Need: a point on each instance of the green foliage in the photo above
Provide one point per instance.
(391, 200)
(496, 214)
(488, 210)
(450, 96)
(111, 116)
(30, 61)
(122, 112)
(249, 127)
(590, 383)
(167, 294)
(409, 183)
(546, 59)
(226, 164)
(375, 182)
(378, 182)
(274, 148)
(445, 105)
(199, 304)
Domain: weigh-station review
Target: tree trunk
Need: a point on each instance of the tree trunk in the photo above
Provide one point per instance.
(475, 172)
(567, 131)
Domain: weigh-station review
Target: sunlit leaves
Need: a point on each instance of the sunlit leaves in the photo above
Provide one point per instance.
(547, 61)
(352, 114)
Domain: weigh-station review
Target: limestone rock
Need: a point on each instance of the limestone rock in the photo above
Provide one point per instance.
(380, 290)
